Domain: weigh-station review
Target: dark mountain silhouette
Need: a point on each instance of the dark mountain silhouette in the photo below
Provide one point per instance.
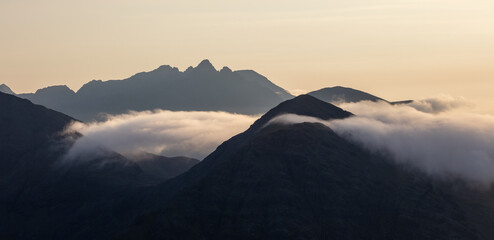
(54, 97)
(301, 105)
(299, 181)
(343, 94)
(164, 168)
(199, 88)
(44, 196)
(303, 181)
(348, 95)
(5, 89)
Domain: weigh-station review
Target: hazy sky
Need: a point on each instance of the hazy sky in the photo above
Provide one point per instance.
(396, 49)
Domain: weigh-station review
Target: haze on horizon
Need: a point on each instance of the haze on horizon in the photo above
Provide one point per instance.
(397, 50)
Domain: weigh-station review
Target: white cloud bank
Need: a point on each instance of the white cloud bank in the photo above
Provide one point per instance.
(439, 104)
(168, 133)
(446, 145)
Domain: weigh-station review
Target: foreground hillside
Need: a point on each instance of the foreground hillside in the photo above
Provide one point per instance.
(303, 181)
(45, 196)
(273, 181)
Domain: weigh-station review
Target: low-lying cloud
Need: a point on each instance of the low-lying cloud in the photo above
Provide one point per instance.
(446, 145)
(439, 104)
(168, 133)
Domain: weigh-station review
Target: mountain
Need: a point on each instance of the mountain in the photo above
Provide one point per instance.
(54, 97)
(343, 94)
(162, 167)
(26, 129)
(301, 105)
(44, 195)
(273, 181)
(201, 88)
(303, 181)
(5, 89)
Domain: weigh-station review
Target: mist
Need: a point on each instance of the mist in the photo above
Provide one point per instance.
(446, 144)
(440, 104)
(167, 133)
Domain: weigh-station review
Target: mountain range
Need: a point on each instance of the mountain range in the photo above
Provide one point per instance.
(201, 88)
(273, 181)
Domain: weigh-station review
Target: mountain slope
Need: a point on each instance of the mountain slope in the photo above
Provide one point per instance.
(25, 128)
(45, 196)
(343, 94)
(41, 197)
(164, 168)
(199, 88)
(54, 97)
(301, 105)
(302, 181)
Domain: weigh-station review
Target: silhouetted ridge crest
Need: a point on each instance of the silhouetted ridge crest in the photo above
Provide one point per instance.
(200, 88)
(205, 65)
(225, 70)
(305, 105)
(59, 89)
(343, 94)
(19, 111)
(90, 86)
(164, 68)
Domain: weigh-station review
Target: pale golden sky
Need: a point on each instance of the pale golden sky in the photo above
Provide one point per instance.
(395, 49)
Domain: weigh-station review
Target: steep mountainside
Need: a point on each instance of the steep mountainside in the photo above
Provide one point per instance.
(164, 168)
(199, 88)
(44, 196)
(54, 97)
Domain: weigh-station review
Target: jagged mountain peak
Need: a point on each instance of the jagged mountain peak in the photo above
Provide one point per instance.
(205, 65)
(226, 69)
(168, 88)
